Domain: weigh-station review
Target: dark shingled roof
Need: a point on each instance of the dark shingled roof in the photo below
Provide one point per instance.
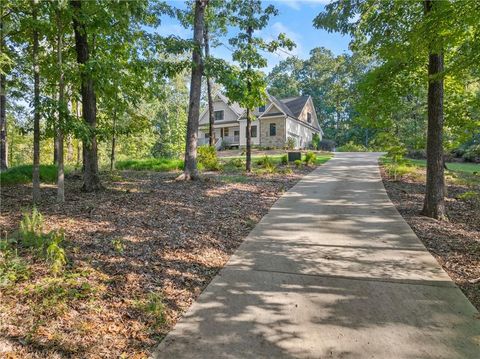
(295, 104)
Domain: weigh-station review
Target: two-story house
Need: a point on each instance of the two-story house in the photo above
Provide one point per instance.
(273, 124)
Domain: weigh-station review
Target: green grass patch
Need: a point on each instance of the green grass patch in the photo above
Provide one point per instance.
(453, 166)
(151, 164)
(321, 159)
(23, 174)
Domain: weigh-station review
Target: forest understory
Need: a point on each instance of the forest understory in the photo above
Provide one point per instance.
(454, 243)
(139, 253)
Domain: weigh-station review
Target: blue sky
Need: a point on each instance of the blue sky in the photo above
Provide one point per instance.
(294, 19)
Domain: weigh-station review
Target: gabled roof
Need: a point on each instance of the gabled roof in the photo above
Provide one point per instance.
(296, 104)
(233, 105)
(281, 106)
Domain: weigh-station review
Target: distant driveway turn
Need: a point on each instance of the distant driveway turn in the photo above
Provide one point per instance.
(332, 271)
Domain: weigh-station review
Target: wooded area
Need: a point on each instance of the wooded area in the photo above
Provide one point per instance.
(91, 88)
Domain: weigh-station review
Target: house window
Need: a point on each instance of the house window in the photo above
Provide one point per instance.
(261, 108)
(218, 115)
(254, 131)
(225, 132)
(309, 117)
(273, 129)
(206, 135)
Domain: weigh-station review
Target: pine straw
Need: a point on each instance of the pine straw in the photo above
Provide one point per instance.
(454, 243)
(174, 237)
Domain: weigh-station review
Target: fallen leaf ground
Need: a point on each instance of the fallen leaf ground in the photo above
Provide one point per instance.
(454, 243)
(139, 253)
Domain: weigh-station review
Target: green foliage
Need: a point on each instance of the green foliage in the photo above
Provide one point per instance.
(310, 158)
(51, 295)
(118, 245)
(13, 268)
(235, 163)
(154, 308)
(267, 163)
(23, 174)
(316, 141)
(48, 246)
(291, 143)
(151, 164)
(284, 160)
(207, 157)
(351, 147)
(326, 145)
(469, 196)
(472, 153)
(298, 163)
(397, 164)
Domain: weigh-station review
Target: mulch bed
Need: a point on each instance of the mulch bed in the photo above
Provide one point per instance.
(145, 233)
(454, 243)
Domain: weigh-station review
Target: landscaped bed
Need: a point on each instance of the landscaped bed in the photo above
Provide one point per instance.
(454, 243)
(139, 252)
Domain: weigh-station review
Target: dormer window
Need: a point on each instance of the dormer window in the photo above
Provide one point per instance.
(309, 117)
(218, 115)
(261, 108)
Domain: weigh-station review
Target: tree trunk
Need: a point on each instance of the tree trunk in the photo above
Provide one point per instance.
(211, 117)
(434, 203)
(91, 178)
(55, 146)
(69, 149)
(248, 162)
(61, 117)
(36, 109)
(248, 166)
(114, 130)
(3, 107)
(190, 170)
(3, 125)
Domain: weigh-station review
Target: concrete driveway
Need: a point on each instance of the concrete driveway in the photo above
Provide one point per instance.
(332, 271)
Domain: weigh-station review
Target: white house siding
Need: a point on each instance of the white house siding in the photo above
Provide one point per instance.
(228, 115)
(243, 133)
(301, 133)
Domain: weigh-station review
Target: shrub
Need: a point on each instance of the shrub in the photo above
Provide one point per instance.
(310, 158)
(291, 143)
(267, 163)
(118, 245)
(151, 164)
(316, 141)
(207, 157)
(154, 307)
(12, 268)
(472, 153)
(284, 160)
(397, 166)
(48, 246)
(417, 154)
(327, 145)
(236, 162)
(298, 163)
(352, 147)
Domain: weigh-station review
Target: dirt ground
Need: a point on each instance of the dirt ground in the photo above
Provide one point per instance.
(139, 253)
(454, 243)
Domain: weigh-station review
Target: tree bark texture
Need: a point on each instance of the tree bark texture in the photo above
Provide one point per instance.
(36, 109)
(434, 203)
(91, 178)
(191, 171)
(3, 107)
(60, 124)
(211, 117)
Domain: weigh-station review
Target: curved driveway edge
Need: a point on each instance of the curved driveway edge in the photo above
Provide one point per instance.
(332, 271)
